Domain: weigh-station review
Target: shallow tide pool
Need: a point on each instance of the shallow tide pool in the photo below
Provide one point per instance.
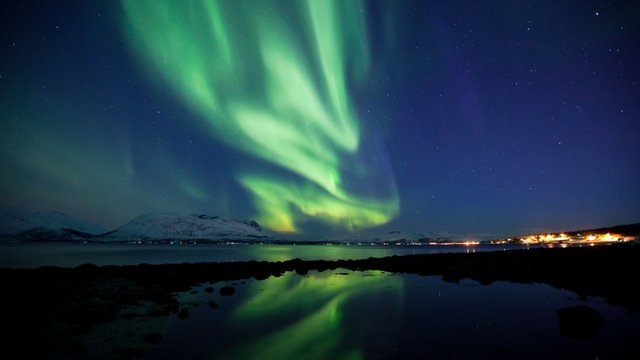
(340, 314)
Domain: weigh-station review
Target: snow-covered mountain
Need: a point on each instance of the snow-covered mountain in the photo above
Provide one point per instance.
(401, 236)
(18, 224)
(398, 236)
(185, 227)
(377, 236)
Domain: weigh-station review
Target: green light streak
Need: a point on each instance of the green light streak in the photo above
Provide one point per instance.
(319, 304)
(271, 79)
(274, 198)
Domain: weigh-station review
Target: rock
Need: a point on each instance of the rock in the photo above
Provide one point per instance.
(580, 321)
(227, 290)
(212, 304)
(209, 289)
(152, 338)
(262, 275)
(183, 314)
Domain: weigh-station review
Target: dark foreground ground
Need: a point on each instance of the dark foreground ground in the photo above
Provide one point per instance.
(78, 299)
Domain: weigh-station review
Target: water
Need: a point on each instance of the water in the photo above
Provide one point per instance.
(25, 255)
(338, 314)
(375, 315)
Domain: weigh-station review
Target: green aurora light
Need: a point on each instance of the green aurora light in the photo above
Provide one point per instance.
(271, 79)
(319, 304)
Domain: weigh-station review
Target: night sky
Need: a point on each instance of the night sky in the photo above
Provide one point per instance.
(322, 118)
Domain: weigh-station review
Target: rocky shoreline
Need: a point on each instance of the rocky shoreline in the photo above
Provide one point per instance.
(87, 295)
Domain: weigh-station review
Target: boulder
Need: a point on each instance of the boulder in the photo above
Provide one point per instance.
(183, 314)
(152, 338)
(212, 304)
(227, 290)
(580, 321)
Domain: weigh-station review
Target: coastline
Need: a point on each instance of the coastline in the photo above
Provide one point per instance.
(87, 295)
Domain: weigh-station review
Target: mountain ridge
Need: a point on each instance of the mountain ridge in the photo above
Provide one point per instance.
(166, 226)
(24, 226)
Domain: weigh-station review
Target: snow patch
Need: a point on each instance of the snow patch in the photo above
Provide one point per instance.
(185, 227)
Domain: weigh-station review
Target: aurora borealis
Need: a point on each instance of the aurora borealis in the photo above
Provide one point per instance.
(274, 87)
(324, 117)
(320, 304)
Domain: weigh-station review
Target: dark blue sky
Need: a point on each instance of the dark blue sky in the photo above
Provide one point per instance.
(473, 117)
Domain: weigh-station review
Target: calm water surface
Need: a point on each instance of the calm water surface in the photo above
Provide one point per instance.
(341, 314)
(21, 255)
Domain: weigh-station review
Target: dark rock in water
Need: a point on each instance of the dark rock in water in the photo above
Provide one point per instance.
(227, 290)
(261, 275)
(152, 338)
(302, 271)
(580, 321)
(209, 289)
(212, 304)
(183, 314)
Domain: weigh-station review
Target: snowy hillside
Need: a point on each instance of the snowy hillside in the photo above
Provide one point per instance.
(401, 236)
(44, 225)
(185, 227)
(398, 236)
